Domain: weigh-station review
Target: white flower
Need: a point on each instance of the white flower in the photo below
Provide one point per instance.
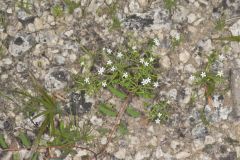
(113, 69)
(221, 57)
(109, 62)
(125, 75)
(155, 84)
(109, 51)
(101, 70)
(159, 115)
(146, 63)
(134, 47)
(220, 73)
(104, 49)
(86, 80)
(119, 55)
(142, 60)
(157, 121)
(156, 41)
(151, 59)
(192, 78)
(104, 84)
(82, 63)
(203, 74)
(146, 81)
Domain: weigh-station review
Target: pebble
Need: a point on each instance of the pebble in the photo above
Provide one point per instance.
(184, 56)
(235, 28)
(121, 153)
(165, 61)
(183, 155)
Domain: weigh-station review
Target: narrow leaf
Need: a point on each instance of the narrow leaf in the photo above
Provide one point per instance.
(230, 38)
(3, 143)
(132, 112)
(24, 140)
(106, 110)
(122, 128)
(117, 92)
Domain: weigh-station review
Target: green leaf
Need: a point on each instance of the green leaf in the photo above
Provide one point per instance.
(122, 129)
(106, 110)
(24, 140)
(132, 112)
(145, 95)
(16, 156)
(35, 156)
(117, 93)
(230, 38)
(3, 143)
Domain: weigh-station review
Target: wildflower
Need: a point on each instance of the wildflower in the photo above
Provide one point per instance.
(192, 78)
(203, 74)
(151, 59)
(159, 115)
(119, 55)
(220, 73)
(221, 57)
(146, 63)
(86, 80)
(104, 49)
(109, 62)
(134, 47)
(156, 41)
(125, 75)
(113, 69)
(101, 71)
(146, 81)
(104, 84)
(155, 84)
(142, 60)
(157, 121)
(109, 51)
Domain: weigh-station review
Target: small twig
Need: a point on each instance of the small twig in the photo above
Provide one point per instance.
(117, 122)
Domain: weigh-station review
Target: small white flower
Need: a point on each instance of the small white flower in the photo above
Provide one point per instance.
(119, 55)
(82, 63)
(109, 62)
(192, 78)
(157, 121)
(109, 51)
(159, 115)
(104, 49)
(146, 81)
(156, 41)
(104, 84)
(156, 84)
(113, 69)
(151, 59)
(203, 74)
(146, 63)
(220, 73)
(125, 75)
(86, 80)
(142, 60)
(168, 102)
(221, 57)
(134, 47)
(101, 70)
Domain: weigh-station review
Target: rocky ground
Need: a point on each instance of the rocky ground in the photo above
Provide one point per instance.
(50, 47)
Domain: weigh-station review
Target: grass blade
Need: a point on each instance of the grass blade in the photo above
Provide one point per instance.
(117, 93)
(3, 143)
(106, 110)
(24, 140)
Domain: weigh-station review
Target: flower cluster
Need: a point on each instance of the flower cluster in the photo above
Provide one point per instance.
(129, 69)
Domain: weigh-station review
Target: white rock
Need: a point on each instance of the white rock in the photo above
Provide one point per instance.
(209, 140)
(104, 140)
(165, 61)
(60, 59)
(121, 153)
(69, 33)
(134, 6)
(235, 28)
(159, 152)
(72, 57)
(172, 94)
(191, 18)
(96, 121)
(31, 27)
(7, 61)
(38, 24)
(184, 56)
(142, 155)
(183, 155)
(9, 11)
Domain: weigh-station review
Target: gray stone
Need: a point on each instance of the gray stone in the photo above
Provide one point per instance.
(235, 88)
(24, 17)
(60, 59)
(138, 22)
(235, 28)
(56, 79)
(184, 56)
(199, 131)
(21, 45)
